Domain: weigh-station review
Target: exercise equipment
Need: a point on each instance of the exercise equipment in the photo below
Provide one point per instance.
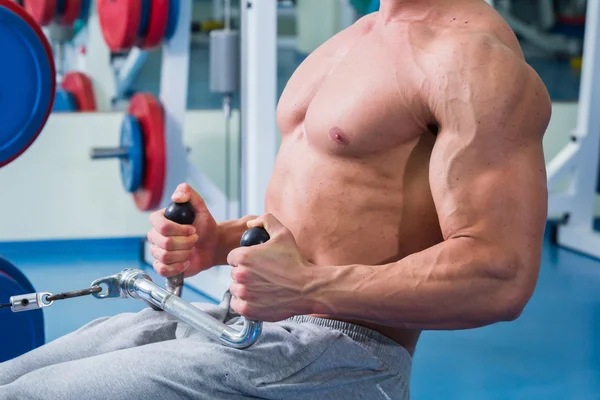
(129, 23)
(20, 333)
(76, 94)
(579, 161)
(69, 13)
(27, 81)
(134, 283)
(63, 12)
(172, 19)
(42, 11)
(120, 21)
(27, 86)
(142, 151)
(64, 102)
(156, 24)
(80, 87)
(183, 214)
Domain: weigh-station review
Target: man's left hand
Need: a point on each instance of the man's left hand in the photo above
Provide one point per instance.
(270, 279)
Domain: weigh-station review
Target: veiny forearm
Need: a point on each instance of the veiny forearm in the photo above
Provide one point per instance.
(230, 233)
(457, 284)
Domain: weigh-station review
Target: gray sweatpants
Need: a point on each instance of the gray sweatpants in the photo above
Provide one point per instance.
(151, 355)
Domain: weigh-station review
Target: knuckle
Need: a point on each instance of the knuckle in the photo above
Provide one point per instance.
(244, 308)
(243, 257)
(160, 268)
(171, 258)
(238, 275)
(168, 243)
(162, 228)
(191, 241)
(244, 293)
(242, 275)
(159, 254)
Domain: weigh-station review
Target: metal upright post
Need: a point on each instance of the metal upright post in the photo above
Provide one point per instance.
(174, 85)
(258, 100)
(577, 232)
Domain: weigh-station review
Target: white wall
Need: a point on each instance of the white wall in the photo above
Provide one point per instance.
(55, 191)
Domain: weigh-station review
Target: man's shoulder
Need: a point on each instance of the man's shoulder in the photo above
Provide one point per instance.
(490, 76)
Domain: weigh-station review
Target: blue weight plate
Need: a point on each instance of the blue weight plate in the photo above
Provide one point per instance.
(144, 20)
(10, 269)
(132, 166)
(173, 17)
(61, 5)
(64, 102)
(26, 329)
(27, 81)
(85, 10)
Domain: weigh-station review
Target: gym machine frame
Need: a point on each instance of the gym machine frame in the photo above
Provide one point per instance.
(258, 123)
(578, 162)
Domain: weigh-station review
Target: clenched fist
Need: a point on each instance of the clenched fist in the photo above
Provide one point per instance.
(183, 248)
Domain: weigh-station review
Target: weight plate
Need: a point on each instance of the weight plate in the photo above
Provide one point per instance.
(120, 21)
(132, 167)
(27, 329)
(157, 24)
(85, 10)
(150, 114)
(72, 11)
(27, 83)
(42, 11)
(80, 87)
(144, 19)
(173, 18)
(64, 102)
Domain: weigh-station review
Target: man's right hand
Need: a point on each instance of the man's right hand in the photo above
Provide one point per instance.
(184, 248)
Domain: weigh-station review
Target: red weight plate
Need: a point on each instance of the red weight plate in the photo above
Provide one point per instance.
(120, 21)
(157, 25)
(150, 114)
(42, 11)
(80, 86)
(72, 11)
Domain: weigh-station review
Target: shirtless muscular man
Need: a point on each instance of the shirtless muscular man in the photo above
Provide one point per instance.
(409, 194)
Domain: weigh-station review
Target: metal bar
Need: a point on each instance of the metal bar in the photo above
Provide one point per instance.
(134, 283)
(129, 71)
(588, 125)
(258, 101)
(564, 162)
(174, 95)
(109, 152)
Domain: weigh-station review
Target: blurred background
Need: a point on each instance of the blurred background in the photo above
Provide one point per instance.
(67, 220)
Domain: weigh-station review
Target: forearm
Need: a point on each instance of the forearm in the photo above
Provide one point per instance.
(454, 285)
(230, 233)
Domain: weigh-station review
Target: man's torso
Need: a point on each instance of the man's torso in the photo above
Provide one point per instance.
(351, 180)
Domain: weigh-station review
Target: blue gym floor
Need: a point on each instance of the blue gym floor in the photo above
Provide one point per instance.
(551, 352)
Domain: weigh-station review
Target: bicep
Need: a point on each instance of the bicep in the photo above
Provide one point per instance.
(487, 189)
(487, 171)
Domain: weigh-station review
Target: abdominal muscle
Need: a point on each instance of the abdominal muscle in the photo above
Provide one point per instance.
(350, 211)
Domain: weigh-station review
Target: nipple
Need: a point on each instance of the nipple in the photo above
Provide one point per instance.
(338, 136)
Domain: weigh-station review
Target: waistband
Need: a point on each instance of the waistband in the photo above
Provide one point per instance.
(385, 349)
